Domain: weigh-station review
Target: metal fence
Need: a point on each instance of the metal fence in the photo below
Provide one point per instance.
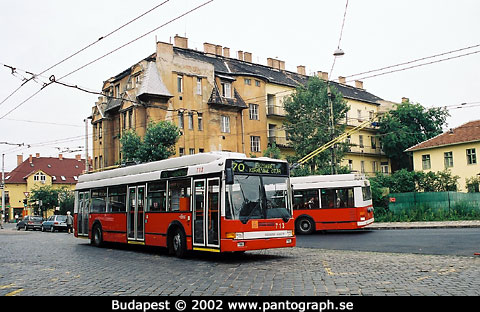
(435, 201)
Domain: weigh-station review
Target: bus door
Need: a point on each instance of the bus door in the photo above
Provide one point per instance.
(136, 215)
(82, 215)
(206, 213)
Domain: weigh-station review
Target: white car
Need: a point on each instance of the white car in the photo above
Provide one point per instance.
(55, 223)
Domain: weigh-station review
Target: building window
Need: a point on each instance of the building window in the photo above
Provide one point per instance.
(181, 151)
(199, 86)
(117, 91)
(227, 90)
(191, 151)
(426, 162)
(255, 144)
(130, 119)
(350, 165)
(374, 166)
(471, 156)
(200, 121)
(100, 131)
(180, 120)
(374, 142)
(362, 166)
(190, 121)
(247, 81)
(360, 139)
(225, 126)
(448, 158)
(253, 111)
(180, 84)
(384, 165)
(359, 115)
(39, 177)
(257, 83)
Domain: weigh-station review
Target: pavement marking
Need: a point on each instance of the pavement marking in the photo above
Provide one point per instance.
(14, 293)
(7, 286)
(327, 268)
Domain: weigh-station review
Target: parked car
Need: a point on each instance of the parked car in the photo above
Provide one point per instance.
(30, 222)
(55, 223)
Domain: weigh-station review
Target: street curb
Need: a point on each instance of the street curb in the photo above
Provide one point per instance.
(423, 225)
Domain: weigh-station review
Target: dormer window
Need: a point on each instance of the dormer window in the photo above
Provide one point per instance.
(39, 177)
(227, 90)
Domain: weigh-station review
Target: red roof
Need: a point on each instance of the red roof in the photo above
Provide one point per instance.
(65, 170)
(469, 132)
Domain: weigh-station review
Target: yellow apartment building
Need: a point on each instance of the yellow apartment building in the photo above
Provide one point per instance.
(455, 150)
(220, 103)
(38, 171)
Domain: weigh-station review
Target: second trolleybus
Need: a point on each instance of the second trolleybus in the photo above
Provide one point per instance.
(218, 202)
(331, 202)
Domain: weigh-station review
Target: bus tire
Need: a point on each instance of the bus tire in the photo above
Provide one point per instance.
(97, 236)
(304, 225)
(179, 243)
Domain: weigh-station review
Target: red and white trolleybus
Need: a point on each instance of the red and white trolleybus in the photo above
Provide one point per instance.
(219, 202)
(331, 202)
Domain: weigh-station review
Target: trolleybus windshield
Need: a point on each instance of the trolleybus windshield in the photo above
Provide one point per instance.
(259, 191)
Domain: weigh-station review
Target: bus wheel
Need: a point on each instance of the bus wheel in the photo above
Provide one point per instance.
(304, 225)
(97, 236)
(179, 243)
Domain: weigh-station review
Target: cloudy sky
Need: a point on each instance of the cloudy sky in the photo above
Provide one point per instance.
(38, 34)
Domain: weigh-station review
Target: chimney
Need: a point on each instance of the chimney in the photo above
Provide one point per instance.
(181, 42)
(240, 55)
(301, 70)
(322, 75)
(226, 52)
(405, 100)
(247, 57)
(281, 65)
(270, 62)
(218, 50)
(19, 160)
(342, 80)
(78, 157)
(60, 156)
(37, 155)
(359, 84)
(276, 63)
(209, 48)
(30, 158)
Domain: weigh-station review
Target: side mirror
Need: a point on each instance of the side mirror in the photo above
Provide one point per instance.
(228, 176)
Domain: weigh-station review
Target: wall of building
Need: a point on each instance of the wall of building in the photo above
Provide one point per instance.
(460, 166)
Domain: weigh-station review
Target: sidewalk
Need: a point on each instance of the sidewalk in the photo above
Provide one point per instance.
(423, 225)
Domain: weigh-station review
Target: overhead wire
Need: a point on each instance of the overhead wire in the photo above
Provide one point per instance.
(106, 54)
(82, 49)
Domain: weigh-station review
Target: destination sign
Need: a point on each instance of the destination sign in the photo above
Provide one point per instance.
(257, 167)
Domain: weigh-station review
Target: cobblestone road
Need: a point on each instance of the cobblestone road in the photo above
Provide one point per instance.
(36, 263)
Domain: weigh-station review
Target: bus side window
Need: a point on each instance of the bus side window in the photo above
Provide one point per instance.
(328, 198)
(117, 198)
(99, 200)
(306, 199)
(177, 190)
(156, 198)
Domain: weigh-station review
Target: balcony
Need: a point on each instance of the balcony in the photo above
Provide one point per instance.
(275, 111)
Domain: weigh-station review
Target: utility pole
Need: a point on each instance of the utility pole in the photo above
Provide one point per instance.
(332, 128)
(86, 145)
(3, 187)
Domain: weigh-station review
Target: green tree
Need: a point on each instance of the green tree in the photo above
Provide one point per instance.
(307, 122)
(473, 184)
(158, 143)
(43, 198)
(406, 126)
(272, 151)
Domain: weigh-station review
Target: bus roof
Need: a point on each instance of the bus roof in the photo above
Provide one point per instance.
(151, 171)
(350, 179)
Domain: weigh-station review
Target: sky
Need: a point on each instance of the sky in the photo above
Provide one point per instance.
(34, 35)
